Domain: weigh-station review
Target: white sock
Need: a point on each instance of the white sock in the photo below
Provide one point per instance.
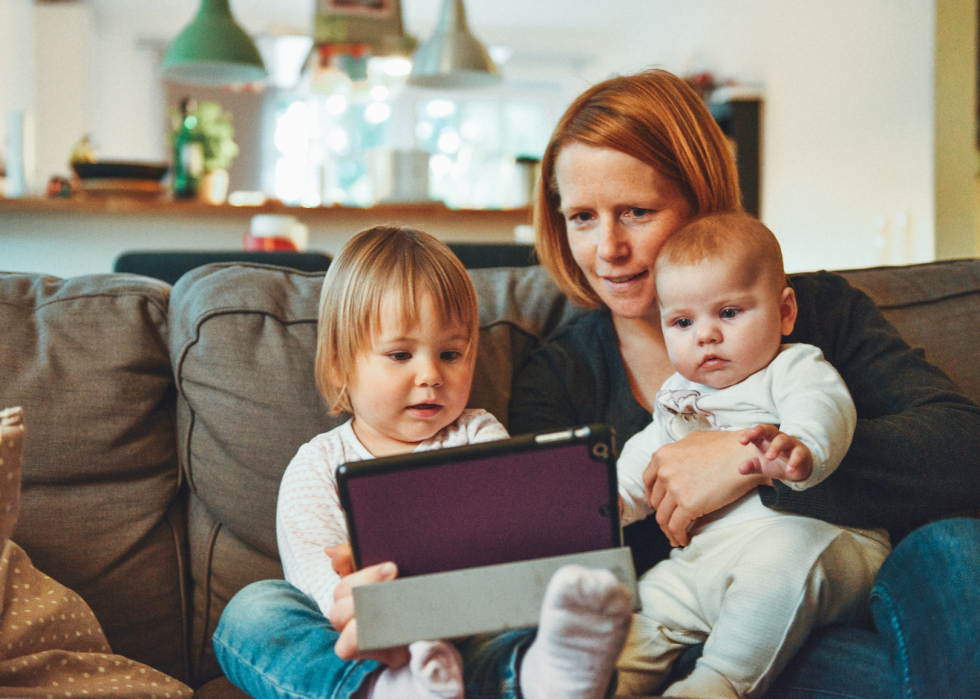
(584, 620)
(434, 672)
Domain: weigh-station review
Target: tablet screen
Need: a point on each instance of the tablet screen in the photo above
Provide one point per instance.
(523, 498)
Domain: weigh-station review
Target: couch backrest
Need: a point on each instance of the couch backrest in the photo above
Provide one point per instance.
(96, 362)
(936, 307)
(242, 344)
(87, 359)
(243, 340)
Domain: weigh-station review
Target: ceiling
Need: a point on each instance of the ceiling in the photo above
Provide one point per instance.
(419, 15)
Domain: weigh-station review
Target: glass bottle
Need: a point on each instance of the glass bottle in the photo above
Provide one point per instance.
(188, 154)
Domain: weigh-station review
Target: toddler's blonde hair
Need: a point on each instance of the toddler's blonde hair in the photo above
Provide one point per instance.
(375, 266)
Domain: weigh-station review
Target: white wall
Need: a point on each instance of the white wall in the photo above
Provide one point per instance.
(849, 126)
(62, 92)
(16, 55)
(848, 123)
(16, 64)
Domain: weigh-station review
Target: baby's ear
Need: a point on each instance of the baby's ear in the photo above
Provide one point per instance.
(787, 310)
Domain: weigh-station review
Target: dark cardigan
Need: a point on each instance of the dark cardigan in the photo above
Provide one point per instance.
(916, 450)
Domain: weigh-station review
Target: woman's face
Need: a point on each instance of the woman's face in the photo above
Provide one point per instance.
(618, 212)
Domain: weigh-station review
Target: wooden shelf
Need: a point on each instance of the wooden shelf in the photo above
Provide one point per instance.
(165, 206)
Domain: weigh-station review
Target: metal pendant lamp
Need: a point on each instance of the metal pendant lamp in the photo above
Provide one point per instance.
(452, 57)
(213, 50)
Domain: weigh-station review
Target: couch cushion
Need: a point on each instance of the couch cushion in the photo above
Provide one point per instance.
(935, 307)
(518, 306)
(243, 342)
(87, 359)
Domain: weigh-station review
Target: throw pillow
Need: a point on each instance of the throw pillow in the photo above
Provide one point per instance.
(51, 644)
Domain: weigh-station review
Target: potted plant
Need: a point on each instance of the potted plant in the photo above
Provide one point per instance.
(204, 147)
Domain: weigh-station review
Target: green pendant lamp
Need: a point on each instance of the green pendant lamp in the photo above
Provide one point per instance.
(213, 50)
(453, 58)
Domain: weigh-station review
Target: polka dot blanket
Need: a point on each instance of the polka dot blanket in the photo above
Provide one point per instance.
(51, 644)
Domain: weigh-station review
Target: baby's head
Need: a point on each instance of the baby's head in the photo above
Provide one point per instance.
(725, 302)
(396, 344)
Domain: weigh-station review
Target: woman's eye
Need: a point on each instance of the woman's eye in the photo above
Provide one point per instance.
(637, 212)
(580, 217)
(729, 313)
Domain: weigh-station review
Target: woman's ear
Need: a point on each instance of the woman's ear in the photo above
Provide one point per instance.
(787, 310)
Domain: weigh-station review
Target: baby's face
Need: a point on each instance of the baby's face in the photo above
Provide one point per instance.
(413, 381)
(721, 327)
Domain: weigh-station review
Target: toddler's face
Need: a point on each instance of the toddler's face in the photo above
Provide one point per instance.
(719, 327)
(414, 380)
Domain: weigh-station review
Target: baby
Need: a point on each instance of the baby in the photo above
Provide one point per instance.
(396, 349)
(753, 582)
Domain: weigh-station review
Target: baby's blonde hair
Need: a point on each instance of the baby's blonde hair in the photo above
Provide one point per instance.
(735, 238)
(404, 262)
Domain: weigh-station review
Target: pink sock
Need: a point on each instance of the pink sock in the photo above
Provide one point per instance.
(434, 672)
(584, 620)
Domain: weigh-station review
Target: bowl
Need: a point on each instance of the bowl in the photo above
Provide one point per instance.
(109, 169)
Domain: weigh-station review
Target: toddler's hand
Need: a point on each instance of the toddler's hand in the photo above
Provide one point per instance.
(342, 613)
(778, 455)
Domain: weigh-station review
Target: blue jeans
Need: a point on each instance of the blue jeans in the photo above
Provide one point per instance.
(273, 642)
(926, 608)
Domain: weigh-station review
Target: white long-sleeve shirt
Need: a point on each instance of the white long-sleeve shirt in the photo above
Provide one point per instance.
(309, 517)
(799, 391)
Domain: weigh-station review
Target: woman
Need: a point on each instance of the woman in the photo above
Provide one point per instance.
(634, 159)
(649, 135)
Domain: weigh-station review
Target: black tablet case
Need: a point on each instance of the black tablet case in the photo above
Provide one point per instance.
(519, 499)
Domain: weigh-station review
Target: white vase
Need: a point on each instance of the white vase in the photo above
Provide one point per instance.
(214, 187)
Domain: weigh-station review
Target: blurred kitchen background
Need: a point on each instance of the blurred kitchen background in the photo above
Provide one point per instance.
(868, 116)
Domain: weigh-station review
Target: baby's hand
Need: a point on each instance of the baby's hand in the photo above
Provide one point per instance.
(779, 455)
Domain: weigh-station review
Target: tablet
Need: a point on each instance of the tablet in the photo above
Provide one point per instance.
(518, 499)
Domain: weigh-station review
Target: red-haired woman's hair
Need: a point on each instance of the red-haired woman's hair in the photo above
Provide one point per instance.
(656, 118)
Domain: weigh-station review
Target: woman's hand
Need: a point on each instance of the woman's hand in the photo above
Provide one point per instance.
(696, 476)
(342, 613)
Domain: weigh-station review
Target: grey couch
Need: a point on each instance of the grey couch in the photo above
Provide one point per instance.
(160, 421)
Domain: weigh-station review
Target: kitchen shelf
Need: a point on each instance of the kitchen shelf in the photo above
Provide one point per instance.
(98, 206)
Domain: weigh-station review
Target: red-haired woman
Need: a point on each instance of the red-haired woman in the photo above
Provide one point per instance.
(634, 159)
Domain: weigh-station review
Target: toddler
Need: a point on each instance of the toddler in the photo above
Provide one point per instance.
(753, 582)
(396, 349)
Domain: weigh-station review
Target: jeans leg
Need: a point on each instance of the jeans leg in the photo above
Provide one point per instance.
(838, 662)
(926, 604)
(274, 643)
(492, 663)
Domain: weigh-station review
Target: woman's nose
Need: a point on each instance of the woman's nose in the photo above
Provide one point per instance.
(611, 244)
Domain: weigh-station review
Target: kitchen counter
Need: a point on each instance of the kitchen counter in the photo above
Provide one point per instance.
(83, 235)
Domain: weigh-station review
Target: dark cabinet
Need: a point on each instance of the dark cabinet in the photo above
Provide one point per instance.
(741, 120)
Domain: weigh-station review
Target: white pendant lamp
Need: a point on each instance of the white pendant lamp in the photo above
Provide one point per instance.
(452, 57)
